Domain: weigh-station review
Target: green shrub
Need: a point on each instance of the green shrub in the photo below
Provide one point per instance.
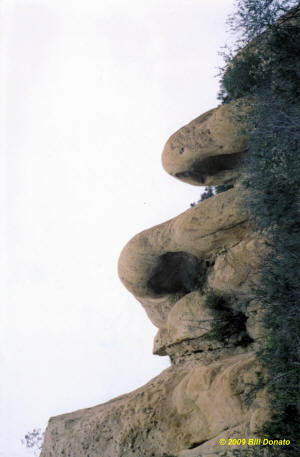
(227, 323)
(271, 61)
(271, 196)
(220, 189)
(210, 191)
(243, 76)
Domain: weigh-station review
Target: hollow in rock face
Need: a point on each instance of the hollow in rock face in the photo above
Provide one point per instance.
(214, 166)
(177, 272)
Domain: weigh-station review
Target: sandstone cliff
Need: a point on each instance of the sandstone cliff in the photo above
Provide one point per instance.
(192, 274)
(173, 269)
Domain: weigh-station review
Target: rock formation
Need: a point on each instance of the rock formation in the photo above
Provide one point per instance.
(206, 152)
(192, 275)
(211, 250)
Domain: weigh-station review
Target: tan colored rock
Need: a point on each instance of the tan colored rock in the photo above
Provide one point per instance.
(183, 407)
(206, 393)
(255, 326)
(236, 267)
(202, 232)
(207, 151)
(202, 397)
(188, 319)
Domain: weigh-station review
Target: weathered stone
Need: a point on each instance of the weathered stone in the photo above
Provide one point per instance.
(236, 267)
(207, 151)
(186, 406)
(188, 319)
(203, 396)
(254, 315)
(203, 232)
(172, 268)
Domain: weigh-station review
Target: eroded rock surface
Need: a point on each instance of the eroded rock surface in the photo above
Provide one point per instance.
(199, 236)
(173, 269)
(187, 407)
(207, 151)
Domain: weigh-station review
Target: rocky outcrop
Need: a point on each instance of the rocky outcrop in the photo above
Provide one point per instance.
(207, 151)
(166, 262)
(192, 276)
(186, 409)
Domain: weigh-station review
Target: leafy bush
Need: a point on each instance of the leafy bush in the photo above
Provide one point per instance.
(220, 189)
(210, 191)
(271, 60)
(252, 17)
(34, 440)
(227, 323)
(243, 76)
(271, 193)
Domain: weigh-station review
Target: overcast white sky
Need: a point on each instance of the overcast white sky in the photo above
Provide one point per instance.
(90, 92)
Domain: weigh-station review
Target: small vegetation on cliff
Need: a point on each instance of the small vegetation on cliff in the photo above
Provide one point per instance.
(210, 191)
(34, 440)
(268, 71)
(228, 325)
(263, 60)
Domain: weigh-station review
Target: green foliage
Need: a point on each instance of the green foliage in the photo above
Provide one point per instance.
(271, 60)
(243, 76)
(271, 194)
(34, 440)
(220, 189)
(252, 389)
(210, 191)
(252, 17)
(227, 323)
(283, 47)
(271, 167)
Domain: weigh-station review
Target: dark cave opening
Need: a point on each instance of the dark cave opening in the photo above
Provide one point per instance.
(211, 166)
(177, 272)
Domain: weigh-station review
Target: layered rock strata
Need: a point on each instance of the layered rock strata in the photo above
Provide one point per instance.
(192, 276)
